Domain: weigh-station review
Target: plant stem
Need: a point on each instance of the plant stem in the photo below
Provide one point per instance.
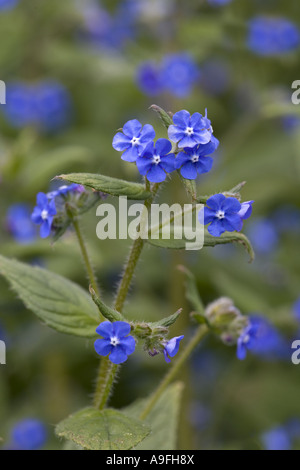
(200, 333)
(86, 258)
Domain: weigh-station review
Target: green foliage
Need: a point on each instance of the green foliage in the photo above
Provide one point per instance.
(58, 302)
(102, 430)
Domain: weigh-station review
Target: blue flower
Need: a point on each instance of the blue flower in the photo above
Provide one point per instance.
(246, 341)
(115, 342)
(29, 434)
(217, 3)
(296, 309)
(269, 36)
(156, 161)
(149, 79)
(19, 224)
(171, 347)
(65, 189)
(43, 214)
(194, 160)
(8, 4)
(224, 214)
(276, 439)
(189, 130)
(179, 73)
(264, 236)
(133, 140)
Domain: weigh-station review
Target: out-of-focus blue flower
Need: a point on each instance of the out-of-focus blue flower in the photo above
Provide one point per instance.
(287, 219)
(246, 341)
(149, 80)
(29, 434)
(276, 439)
(296, 309)
(65, 189)
(171, 347)
(43, 214)
(264, 340)
(19, 224)
(215, 76)
(8, 4)
(45, 105)
(133, 140)
(224, 214)
(290, 123)
(200, 415)
(115, 342)
(193, 161)
(270, 36)
(179, 73)
(156, 161)
(263, 235)
(218, 3)
(189, 131)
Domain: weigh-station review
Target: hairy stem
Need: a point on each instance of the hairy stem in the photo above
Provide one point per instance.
(200, 333)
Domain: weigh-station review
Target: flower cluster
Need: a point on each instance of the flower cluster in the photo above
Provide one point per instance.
(46, 208)
(269, 36)
(45, 105)
(176, 74)
(8, 4)
(192, 134)
(225, 214)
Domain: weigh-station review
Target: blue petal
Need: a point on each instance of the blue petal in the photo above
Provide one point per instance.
(189, 171)
(195, 120)
(187, 141)
(121, 142)
(130, 155)
(144, 164)
(36, 216)
(52, 208)
(167, 359)
(148, 150)
(175, 134)
(231, 205)
(182, 119)
(246, 210)
(167, 162)
(121, 328)
(214, 202)
(172, 346)
(216, 228)
(181, 159)
(209, 215)
(41, 200)
(105, 329)
(204, 164)
(147, 134)
(118, 355)
(241, 350)
(156, 174)
(103, 347)
(128, 344)
(202, 137)
(132, 128)
(232, 222)
(206, 149)
(163, 147)
(46, 228)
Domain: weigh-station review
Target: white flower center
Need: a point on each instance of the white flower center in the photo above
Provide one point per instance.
(220, 214)
(189, 131)
(44, 214)
(135, 140)
(156, 159)
(62, 187)
(195, 158)
(114, 341)
(246, 339)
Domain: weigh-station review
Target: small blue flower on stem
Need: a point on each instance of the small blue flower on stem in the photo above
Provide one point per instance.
(43, 214)
(188, 130)
(246, 341)
(224, 214)
(115, 342)
(156, 161)
(19, 224)
(171, 347)
(149, 79)
(29, 434)
(194, 160)
(133, 140)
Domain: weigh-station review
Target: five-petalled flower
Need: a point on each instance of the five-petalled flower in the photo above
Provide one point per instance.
(133, 140)
(115, 341)
(171, 347)
(188, 130)
(156, 161)
(43, 214)
(194, 160)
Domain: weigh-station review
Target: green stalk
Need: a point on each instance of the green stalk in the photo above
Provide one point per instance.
(171, 375)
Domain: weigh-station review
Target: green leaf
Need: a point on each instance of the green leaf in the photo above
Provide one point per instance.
(107, 184)
(102, 430)
(60, 303)
(209, 240)
(168, 321)
(164, 116)
(163, 419)
(107, 312)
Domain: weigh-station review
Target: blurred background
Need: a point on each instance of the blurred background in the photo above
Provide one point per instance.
(75, 72)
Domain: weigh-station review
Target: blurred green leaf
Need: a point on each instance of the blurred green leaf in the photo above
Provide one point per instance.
(60, 303)
(107, 184)
(163, 419)
(102, 430)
